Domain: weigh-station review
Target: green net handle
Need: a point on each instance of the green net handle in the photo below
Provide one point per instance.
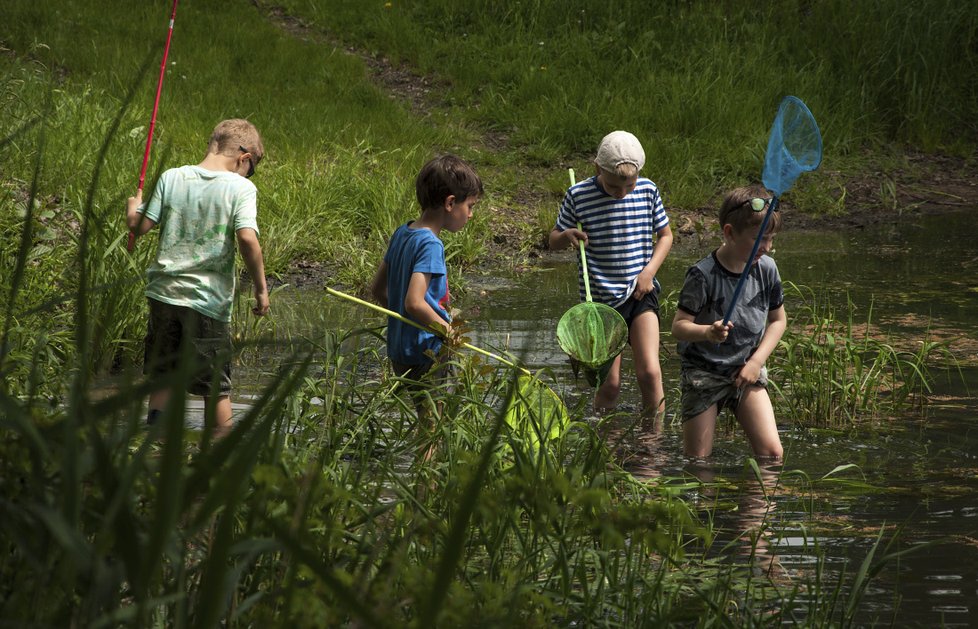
(587, 283)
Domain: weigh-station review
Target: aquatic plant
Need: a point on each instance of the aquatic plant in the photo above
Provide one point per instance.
(830, 368)
(316, 509)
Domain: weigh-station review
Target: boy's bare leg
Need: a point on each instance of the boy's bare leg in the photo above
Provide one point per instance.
(756, 416)
(698, 433)
(606, 397)
(158, 401)
(426, 421)
(222, 414)
(644, 337)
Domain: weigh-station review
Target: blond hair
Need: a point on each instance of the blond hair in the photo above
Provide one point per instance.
(231, 136)
(625, 170)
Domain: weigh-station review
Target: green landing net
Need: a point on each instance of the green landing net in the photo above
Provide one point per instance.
(591, 333)
(535, 414)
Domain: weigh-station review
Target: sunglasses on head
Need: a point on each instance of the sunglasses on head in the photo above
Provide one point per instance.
(758, 204)
(251, 161)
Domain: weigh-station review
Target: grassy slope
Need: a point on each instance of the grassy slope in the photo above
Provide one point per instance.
(698, 82)
(342, 155)
(702, 83)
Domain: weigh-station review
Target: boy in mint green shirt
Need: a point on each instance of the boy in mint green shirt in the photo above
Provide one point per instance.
(203, 211)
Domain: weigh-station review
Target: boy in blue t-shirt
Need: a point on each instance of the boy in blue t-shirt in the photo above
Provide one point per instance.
(627, 237)
(723, 366)
(203, 211)
(412, 279)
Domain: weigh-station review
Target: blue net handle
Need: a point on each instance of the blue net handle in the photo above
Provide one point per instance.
(750, 260)
(793, 147)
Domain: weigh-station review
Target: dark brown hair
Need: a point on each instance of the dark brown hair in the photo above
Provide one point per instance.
(443, 176)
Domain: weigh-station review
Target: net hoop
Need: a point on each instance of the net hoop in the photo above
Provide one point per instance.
(794, 145)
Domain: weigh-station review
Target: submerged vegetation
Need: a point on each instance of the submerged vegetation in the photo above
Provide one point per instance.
(316, 510)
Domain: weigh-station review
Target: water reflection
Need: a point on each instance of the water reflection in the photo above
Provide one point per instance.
(637, 442)
(918, 470)
(743, 527)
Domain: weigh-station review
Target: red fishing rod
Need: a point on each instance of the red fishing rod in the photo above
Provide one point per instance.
(152, 123)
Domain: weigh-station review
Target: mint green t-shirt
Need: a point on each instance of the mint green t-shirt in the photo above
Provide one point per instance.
(198, 212)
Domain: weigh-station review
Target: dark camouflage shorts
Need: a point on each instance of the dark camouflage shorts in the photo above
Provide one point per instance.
(175, 330)
(702, 389)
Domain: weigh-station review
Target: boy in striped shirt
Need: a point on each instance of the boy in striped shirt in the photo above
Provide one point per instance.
(626, 234)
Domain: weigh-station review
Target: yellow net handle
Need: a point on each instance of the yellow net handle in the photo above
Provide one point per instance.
(402, 319)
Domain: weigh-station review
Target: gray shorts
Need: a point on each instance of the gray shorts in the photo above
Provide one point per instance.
(702, 389)
(175, 329)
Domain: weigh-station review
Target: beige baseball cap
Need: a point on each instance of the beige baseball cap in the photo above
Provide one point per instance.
(619, 147)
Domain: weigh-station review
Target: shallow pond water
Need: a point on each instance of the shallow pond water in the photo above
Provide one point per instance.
(913, 477)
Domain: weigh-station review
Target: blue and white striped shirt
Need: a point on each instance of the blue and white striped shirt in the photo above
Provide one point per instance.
(621, 234)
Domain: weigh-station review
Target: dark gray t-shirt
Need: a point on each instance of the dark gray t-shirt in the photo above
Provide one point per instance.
(707, 291)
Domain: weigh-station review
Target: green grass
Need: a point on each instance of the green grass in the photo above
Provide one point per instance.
(703, 82)
(699, 83)
(341, 155)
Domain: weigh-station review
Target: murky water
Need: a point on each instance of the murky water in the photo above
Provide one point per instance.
(913, 477)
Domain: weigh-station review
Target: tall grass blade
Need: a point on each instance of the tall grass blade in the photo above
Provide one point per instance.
(455, 542)
(26, 234)
(868, 569)
(78, 411)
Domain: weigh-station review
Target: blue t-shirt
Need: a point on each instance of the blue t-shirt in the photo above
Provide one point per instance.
(414, 251)
(621, 234)
(198, 212)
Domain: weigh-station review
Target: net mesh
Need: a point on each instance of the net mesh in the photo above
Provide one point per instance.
(535, 414)
(592, 333)
(794, 146)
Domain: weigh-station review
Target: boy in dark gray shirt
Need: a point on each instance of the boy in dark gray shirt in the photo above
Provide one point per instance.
(723, 365)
